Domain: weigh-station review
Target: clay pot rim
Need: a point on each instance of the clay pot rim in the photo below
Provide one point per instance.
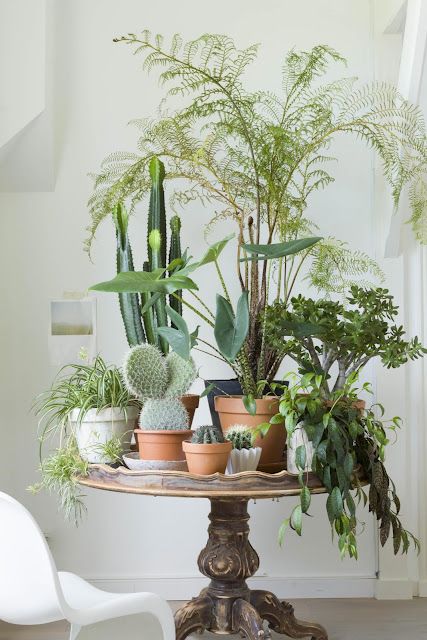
(212, 448)
(165, 431)
(261, 403)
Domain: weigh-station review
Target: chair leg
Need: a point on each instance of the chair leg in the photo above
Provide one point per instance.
(74, 631)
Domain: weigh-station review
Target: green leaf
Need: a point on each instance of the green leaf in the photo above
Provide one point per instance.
(348, 465)
(300, 329)
(179, 339)
(300, 457)
(208, 389)
(305, 499)
(145, 282)
(282, 531)
(261, 430)
(231, 330)
(296, 519)
(278, 250)
(250, 404)
(334, 504)
(211, 255)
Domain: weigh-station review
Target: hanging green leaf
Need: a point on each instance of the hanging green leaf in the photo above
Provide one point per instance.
(296, 519)
(305, 499)
(231, 330)
(250, 404)
(278, 250)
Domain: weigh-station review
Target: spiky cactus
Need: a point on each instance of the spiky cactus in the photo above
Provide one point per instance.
(240, 437)
(207, 434)
(174, 254)
(181, 375)
(130, 306)
(145, 372)
(163, 414)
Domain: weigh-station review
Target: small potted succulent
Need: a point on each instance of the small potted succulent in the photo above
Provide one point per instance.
(207, 452)
(244, 456)
(158, 382)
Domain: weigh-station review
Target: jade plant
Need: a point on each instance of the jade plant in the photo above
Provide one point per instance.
(207, 434)
(257, 158)
(240, 437)
(349, 444)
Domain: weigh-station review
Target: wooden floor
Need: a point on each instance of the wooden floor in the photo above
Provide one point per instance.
(346, 619)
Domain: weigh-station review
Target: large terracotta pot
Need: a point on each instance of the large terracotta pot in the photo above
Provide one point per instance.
(205, 459)
(162, 444)
(232, 411)
(190, 402)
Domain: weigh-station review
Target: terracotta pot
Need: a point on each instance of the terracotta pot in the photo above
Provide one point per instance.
(232, 411)
(190, 402)
(205, 459)
(162, 444)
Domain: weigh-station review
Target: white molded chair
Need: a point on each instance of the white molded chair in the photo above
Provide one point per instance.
(33, 592)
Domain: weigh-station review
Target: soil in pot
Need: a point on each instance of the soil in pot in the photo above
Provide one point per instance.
(162, 444)
(232, 411)
(205, 459)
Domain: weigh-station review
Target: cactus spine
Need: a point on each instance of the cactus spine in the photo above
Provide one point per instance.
(174, 254)
(181, 375)
(145, 372)
(240, 437)
(163, 414)
(207, 434)
(130, 307)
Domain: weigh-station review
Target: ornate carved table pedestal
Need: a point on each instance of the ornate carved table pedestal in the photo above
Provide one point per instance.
(227, 605)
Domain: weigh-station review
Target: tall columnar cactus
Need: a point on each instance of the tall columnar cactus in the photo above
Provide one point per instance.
(207, 434)
(240, 437)
(130, 306)
(145, 372)
(181, 375)
(174, 254)
(163, 414)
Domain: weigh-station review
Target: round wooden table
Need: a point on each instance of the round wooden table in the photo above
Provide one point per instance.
(227, 605)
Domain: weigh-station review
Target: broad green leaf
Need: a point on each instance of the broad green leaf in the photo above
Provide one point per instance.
(305, 499)
(300, 330)
(145, 282)
(334, 504)
(231, 330)
(250, 404)
(211, 255)
(261, 430)
(348, 465)
(296, 519)
(278, 250)
(177, 340)
(282, 531)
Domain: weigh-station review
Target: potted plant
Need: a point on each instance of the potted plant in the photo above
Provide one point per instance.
(91, 403)
(276, 149)
(159, 381)
(207, 452)
(244, 456)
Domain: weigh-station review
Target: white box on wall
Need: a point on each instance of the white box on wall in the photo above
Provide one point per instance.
(72, 329)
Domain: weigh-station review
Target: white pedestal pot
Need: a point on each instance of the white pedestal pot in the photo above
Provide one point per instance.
(98, 427)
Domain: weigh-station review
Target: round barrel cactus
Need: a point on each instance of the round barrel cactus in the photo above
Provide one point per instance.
(163, 413)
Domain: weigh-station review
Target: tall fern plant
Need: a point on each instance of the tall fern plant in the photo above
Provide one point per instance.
(257, 157)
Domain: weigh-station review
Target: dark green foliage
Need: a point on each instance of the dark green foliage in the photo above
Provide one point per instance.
(130, 306)
(207, 434)
(319, 333)
(349, 446)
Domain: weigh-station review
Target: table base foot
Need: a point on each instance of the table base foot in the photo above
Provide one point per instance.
(196, 615)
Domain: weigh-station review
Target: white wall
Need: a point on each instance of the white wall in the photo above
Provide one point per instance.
(98, 87)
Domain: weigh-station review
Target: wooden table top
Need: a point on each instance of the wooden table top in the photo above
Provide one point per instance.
(250, 484)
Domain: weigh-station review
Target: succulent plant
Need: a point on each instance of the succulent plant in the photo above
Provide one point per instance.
(163, 414)
(181, 375)
(240, 436)
(145, 372)
(207, 434)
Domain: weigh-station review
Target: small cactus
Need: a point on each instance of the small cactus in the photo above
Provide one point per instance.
(145, 372)
(207, 434)
(163, 414)
(240, 436)
(181, 375)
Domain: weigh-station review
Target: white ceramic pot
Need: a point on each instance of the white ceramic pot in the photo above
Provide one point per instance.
(243, 460)
(298, 438)
(98, 427)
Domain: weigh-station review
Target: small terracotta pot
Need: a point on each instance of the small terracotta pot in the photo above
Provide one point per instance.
(232, 411)
(205, 459)
(190, 402)
(161, 444)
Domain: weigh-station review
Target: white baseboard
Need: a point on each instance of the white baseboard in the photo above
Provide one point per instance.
(186, 587)
(394, 589)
